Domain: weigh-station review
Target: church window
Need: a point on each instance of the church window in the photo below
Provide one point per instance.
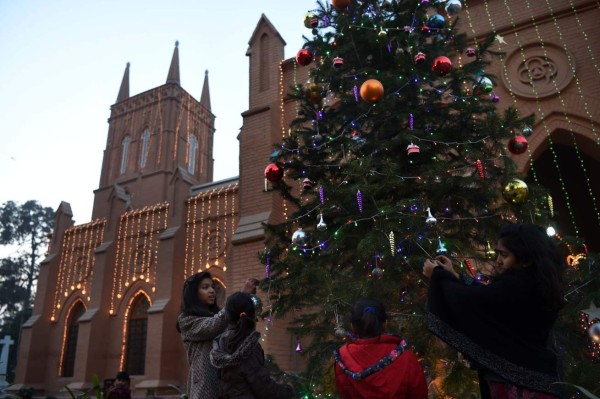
(264, 63)
(70, 344)
(145, 145)
(192, 151)
(125, 144)
(137, 332)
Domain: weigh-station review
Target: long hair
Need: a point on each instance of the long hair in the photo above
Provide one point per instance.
(190, 304)
(530, 244)
(241, 314)
(368, 317)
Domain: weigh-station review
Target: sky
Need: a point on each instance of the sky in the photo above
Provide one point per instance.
(62, 62)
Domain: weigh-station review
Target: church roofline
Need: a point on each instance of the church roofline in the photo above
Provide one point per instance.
(195, 190)
(263, 18)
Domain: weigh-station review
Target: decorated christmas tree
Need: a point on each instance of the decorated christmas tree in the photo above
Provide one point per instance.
(399, 153)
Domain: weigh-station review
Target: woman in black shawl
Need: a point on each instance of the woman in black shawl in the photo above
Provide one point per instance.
(504, 327)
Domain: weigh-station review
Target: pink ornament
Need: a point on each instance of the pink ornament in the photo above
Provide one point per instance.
(413, 149)
(471, 52)
(338, 63)
(419, 58)
(299, 347)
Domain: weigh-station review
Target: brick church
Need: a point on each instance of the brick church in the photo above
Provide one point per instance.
(109, 290)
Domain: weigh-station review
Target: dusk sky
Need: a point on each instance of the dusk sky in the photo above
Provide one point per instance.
(61, 65)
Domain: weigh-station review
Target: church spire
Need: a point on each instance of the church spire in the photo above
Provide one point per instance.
(124, 90)
(173, 76)
(205, 97)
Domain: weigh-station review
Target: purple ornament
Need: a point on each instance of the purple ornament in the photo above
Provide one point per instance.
(411, 121)
(360, 201)
(424, 3)
(268, 267)
(495, 98)
(356, 93)
(322, 195)
(299, 347)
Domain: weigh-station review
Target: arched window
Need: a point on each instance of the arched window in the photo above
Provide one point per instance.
(137, 332)
(145, 144)
(264, 63)
(70, 344)
(192, 151)
(124, 154)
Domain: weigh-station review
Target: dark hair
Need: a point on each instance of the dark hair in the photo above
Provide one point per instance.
(190, 304)
(123, 375)
(531, 245)
(241, 314)
(368, 317)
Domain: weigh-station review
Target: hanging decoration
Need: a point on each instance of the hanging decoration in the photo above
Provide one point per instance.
(515, 191)
(322, 195)
(441, 249)
(300, 238)
(321, 226)
(471, 52)
(340, 4)
(430, 221)
(304, 57)
(442, 65)
(311, 20)
(273, 172)
(412, 149)
(359, 201)
(420, 58)
(480, 169)
(453, 7)
(517, 145)
(392, 239)
(338, 62)
(371, 91)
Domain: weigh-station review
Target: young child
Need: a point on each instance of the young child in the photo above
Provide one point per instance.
(376, 365)
(240, 359)
(120, 388)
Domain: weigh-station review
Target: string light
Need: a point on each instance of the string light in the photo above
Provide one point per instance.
(126, 324)
(65, 332)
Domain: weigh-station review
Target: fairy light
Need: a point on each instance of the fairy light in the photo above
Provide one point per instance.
(200, 253)
(135, 247)
(187, 131)
(563, 104)
(217, 222)
(233, 210)
(65, 332)
(281, 100)
(225, 233)
(160, 123)
(114, 284)
(584, 34)
(208, 220)
(188, 204)
(194, 218)
(76, 262)
(126, 324)
(539, 109)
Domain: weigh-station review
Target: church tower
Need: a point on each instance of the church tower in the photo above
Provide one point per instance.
(109, 290)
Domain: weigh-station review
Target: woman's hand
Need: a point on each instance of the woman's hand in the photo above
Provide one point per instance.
(446, 263)
(250, 286)
(428, 267)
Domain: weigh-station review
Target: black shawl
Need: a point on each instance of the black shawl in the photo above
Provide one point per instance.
(503, 326)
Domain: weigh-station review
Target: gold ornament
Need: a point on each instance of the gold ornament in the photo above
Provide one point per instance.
(515, 191)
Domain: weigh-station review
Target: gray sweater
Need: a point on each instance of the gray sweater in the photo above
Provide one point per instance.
(197, 334)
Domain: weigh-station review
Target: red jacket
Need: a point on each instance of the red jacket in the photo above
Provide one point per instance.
(403, 378)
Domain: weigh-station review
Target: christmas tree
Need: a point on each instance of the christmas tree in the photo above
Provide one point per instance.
(398, 153)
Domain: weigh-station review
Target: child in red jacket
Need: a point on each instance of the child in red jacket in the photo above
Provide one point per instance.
(376, 365)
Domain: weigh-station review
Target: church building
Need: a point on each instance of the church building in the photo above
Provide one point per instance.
(109, 291)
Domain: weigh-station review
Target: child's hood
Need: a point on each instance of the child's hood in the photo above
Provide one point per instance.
(221, 358)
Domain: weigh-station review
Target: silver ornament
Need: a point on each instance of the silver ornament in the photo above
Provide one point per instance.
(377, 272)
(321, 226)
(527, 131)
(453, 7)
(258, 306)
(300, 238)
(430, 221)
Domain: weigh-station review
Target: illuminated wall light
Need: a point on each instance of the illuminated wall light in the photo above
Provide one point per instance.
(65, 330)
(125, 324)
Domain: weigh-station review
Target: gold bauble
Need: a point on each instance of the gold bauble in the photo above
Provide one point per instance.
(515, 191)
(371, 91)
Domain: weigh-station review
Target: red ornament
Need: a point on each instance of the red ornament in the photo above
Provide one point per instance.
(420, 58)
(338, 62)
(371, 90)
(307, 184)
(442, 65)
(471, 52)
(517, 145)
(304, 57)
(273, 172)
(340, 4)
(470, 267)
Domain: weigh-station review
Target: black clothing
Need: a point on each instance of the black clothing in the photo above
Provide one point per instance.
(503, 326)
(243, 374)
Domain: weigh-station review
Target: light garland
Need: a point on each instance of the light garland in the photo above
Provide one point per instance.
(77, 260)
(125, 272)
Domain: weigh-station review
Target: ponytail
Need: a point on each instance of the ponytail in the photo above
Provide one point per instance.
(241, 314)
(368, 318)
